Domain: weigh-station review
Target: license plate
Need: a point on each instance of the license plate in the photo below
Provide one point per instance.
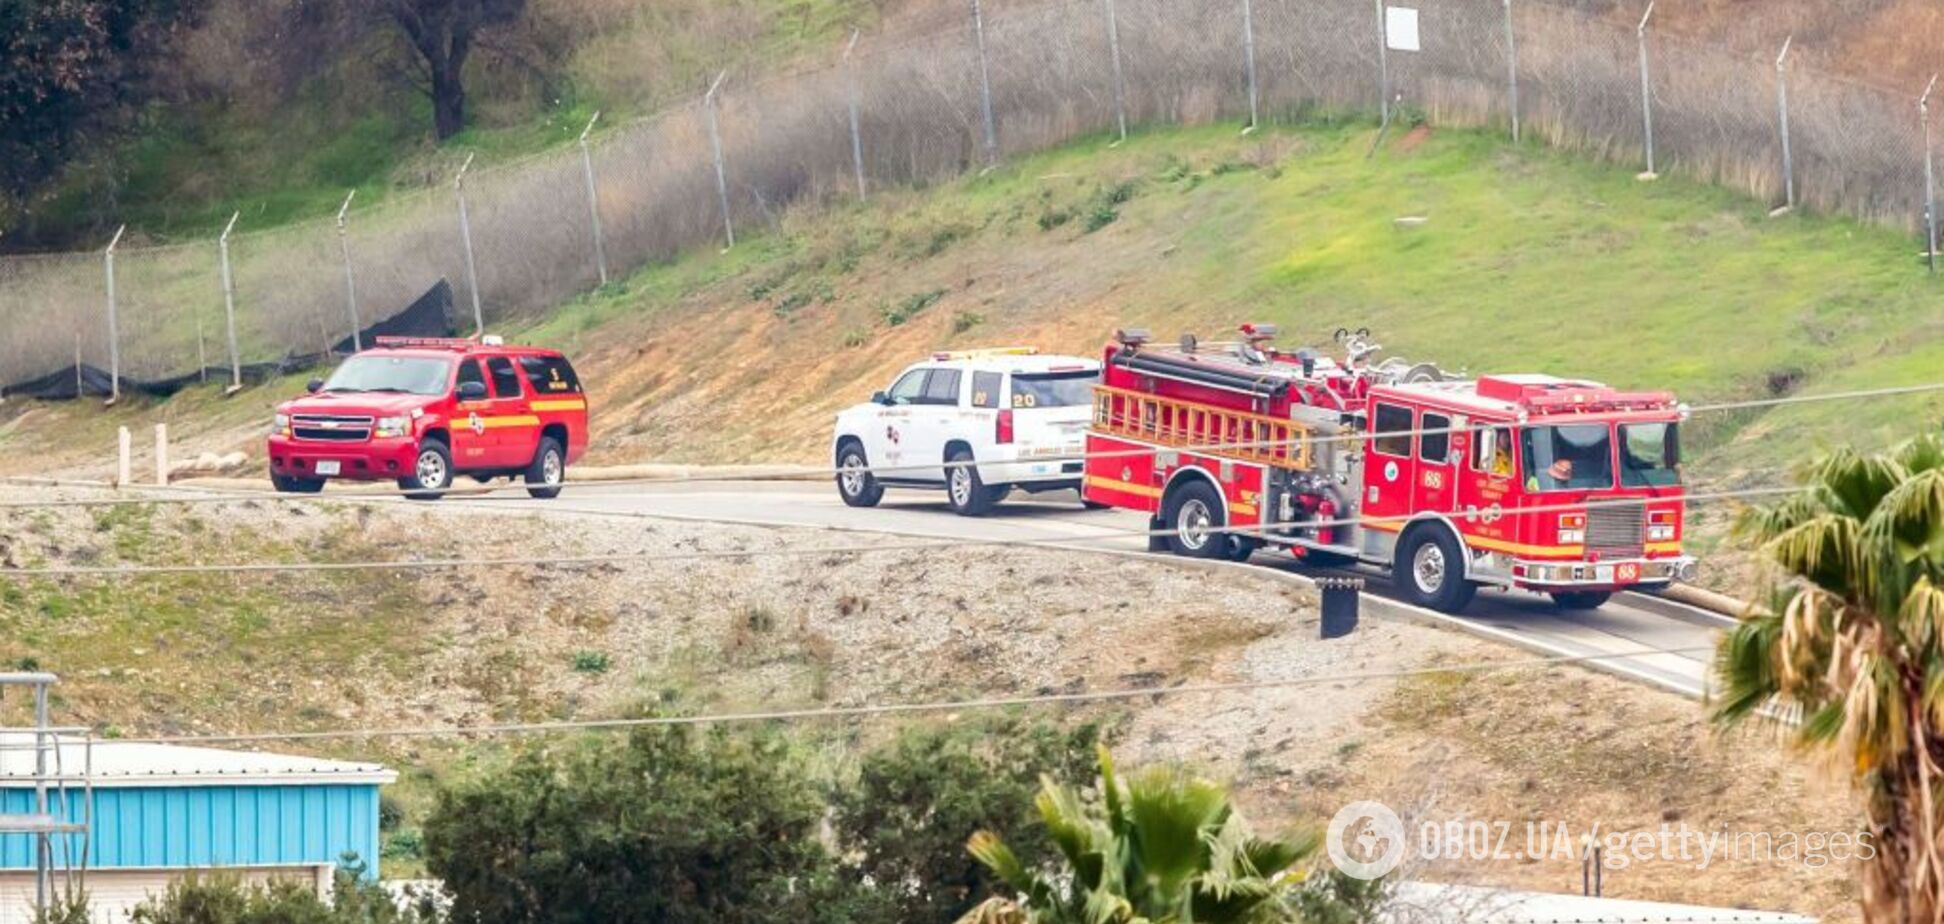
(329, 467)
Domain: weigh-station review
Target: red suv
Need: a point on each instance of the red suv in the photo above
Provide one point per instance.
(420, 410)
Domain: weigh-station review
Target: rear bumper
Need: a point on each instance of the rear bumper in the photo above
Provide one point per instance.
(371, 460)
(1014, 469)
(1605, 575)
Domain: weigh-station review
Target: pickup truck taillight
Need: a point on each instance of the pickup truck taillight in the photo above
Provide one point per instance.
(1003, 429)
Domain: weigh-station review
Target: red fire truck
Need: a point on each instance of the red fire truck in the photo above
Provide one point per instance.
(1560, 486)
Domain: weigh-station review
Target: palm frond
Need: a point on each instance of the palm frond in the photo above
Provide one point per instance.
(1851, 484)
(1822, 550)
(989, 850)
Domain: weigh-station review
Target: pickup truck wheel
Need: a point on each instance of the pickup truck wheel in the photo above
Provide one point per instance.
(431, 472)
(855, 483)
(1430, 569)
(1195, 520)
(287, 484)
(1580, 599)
(964, 491)
(548, 471)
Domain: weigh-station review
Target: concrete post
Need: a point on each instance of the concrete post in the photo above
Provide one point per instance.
(125, 451)
(161, 453)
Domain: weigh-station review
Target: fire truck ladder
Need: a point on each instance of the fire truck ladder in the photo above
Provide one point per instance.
(1241, 435)
(37, 755)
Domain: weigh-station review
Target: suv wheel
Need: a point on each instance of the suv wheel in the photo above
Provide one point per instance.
(855, 483)
(431, 472)
(1580, 599)
(289, 484)
(548, 471)
(1194, 521)
(968, 495)
(1430, 569)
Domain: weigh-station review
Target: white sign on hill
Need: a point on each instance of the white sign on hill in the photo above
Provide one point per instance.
(1401, 28)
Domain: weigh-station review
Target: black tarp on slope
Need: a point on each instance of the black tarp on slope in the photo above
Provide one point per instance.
(429, 316)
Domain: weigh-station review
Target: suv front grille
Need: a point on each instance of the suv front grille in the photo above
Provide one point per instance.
(330, 428)
(1617, 530)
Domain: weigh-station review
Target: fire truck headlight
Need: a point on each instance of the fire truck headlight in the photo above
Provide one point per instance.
(394, 426)
(279, 423)
(1572, 528)
(1660, 533)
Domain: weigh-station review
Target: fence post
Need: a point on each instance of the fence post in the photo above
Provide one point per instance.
(722, 175)
(1646, 93)
(1120, 81)
(465, 239)
(985, 86)
(1782, 115)
(1930, 179)
(1512, 71)
(350, 280)
(162, 453)
(229, 305)
(593, 199)
(1248, 59)
(857, 138)
(1383, 67)
(124, 457)
(114, 321)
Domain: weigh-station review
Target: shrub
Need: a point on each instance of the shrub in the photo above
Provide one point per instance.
(590, 662)
(966, 320)
(911, 307)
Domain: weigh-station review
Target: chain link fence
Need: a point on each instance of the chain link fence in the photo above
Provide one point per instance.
(950, 95)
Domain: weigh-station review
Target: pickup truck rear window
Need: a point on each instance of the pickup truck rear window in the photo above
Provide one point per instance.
(550, 375)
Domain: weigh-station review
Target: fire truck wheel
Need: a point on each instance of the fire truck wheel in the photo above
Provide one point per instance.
(286, 484)
(968, 495)
(1240, 548)
(1194, 519)
(1580, 599)
(1430, 569)
(431, 473)
(548, 471)
(855, 483)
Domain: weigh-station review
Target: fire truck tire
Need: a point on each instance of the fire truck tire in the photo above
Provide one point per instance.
(1580, 599)
(548, 471)
(286, 484)
(1241, 548)
(968, 495)
(1430, 570)
(1194, 514)
(855, 483)
(431, 472)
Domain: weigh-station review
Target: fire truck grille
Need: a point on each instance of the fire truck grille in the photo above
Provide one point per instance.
(330, 428)
(1616, 531)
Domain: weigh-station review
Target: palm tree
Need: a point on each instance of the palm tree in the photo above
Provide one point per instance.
(1163, 847)
(1851, 639)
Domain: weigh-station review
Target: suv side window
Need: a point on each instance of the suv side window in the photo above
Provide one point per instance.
(469, 372)
(943, 388)
(506, 382)
(909, 388)
(550, 375)
(986, 387)
(1392, 427)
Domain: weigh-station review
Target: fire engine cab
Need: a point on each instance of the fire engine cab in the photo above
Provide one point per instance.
(1560, 486)
(419, 410)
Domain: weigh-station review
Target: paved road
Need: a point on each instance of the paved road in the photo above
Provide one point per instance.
(1628, 622)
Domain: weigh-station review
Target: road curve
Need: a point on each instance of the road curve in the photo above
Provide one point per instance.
(1627, 622)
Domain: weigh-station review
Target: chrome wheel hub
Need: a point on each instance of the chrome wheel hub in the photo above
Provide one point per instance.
(431, 469)
(851, 478)
(550, 468)
(1193, 524)
(961, 486)
(1428, 568)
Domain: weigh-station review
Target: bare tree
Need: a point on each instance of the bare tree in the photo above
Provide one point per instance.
(443, 33)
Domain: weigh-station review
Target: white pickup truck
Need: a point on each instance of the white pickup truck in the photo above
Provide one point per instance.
(975, 423)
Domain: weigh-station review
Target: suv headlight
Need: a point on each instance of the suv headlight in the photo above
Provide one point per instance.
(279, 423)
(394, 426)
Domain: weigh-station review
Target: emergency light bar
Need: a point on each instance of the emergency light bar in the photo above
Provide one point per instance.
(944, 355)
(443, 343)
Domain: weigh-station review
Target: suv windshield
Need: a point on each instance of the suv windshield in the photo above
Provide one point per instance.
(1572, 457)
(1650, 455)
(1053, 389)
(410, 375)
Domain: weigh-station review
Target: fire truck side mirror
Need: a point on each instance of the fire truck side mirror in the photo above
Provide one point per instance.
(472, 391)
(314, 386)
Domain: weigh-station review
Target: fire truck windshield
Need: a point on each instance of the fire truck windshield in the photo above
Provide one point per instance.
(1053, 389)
(1650, 455)
(411, 375)
(1574, 457)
